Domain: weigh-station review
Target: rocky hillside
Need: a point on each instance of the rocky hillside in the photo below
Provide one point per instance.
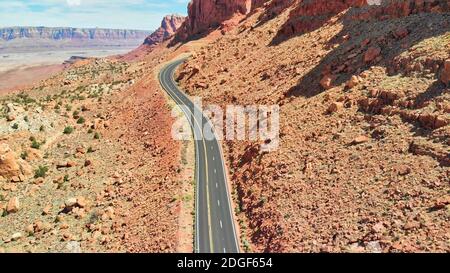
(363, 163)
(87, 163)
(12, 33)
(169, 25)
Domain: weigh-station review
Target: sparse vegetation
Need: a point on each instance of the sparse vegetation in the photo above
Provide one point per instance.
(15, 126)
(41, 172)
(81, 120)
(35, 144)
(96, 135)
(68, 130)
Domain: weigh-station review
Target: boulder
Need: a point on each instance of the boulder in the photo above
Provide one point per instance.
(13, 205)
(326, 82)
(360, 140)
(445, 73)
(352, 82)
(12, 166)
(371, 54)
(334, 107)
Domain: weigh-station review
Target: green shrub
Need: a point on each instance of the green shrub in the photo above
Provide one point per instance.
(96, 136)
(40, 172)
(68, 130)
(15, 126)
(81, 120)
(90, 150)
(35, 144)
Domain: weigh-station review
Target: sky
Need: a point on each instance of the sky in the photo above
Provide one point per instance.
(122, 14)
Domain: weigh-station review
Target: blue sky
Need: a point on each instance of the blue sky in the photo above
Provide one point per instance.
(128, 14)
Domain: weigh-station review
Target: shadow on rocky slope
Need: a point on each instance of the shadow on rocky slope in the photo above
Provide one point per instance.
(362, 44)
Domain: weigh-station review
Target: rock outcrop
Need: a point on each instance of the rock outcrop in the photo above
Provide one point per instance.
(169, 25)
(10, 166)
(445, 74)
(206, 14)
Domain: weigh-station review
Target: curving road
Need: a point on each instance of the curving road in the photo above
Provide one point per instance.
(214, 225)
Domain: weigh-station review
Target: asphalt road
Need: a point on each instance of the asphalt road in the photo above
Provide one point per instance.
(214, 226)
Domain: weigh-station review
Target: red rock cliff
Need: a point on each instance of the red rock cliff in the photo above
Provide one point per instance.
(206, 14)
(169, 25)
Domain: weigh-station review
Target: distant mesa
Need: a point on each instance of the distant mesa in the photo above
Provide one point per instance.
(12, 33)
(34, 39)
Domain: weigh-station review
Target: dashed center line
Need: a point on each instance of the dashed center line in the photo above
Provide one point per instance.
(217, 185)
(221, 226)
(215, 171)
(218, 203)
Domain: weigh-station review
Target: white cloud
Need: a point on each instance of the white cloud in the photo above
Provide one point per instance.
(73, 3)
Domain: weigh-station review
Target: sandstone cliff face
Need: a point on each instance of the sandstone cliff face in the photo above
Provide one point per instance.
(206, 14)
(169, 25)
(12, 33)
